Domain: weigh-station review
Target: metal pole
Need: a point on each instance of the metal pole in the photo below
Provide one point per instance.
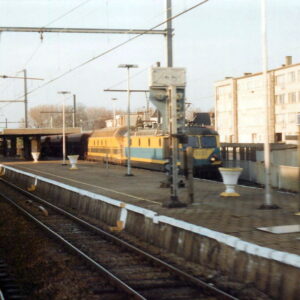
(268, 197)
(128, 123)
(128, 66)
(189, 173)
(25, 98)
(169, 37)
(6, 123)
(298, 150)
(64, 132)
(114, 112)
(173, 201)
(174, 187)
(74, 111)
(114, 109)
(64, 126)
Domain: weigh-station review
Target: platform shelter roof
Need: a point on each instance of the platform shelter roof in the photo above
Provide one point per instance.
(36, 131)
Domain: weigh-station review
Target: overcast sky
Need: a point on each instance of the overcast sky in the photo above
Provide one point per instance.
(220, 38)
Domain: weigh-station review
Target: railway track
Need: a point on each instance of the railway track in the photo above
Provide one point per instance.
(131, 270)
(9, 289)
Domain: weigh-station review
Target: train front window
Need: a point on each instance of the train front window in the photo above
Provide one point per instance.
(208, 141)
(193, 141)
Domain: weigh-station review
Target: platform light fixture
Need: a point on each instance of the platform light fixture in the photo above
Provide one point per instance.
(64, 93)
(114, 111)
(128, 67)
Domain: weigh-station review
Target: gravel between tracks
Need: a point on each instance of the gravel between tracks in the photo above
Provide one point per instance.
(42, 267)
(46, 271)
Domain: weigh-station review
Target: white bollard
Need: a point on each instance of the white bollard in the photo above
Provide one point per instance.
(35, 156)
(230, 178)
(73, 161)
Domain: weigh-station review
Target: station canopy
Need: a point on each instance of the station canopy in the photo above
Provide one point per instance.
(37, 131)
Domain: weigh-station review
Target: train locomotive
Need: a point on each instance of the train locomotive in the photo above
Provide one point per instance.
(148, 148)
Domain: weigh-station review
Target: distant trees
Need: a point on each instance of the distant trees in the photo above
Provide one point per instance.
(89, 118)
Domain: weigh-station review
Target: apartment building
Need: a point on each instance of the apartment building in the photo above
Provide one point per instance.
(240, 105)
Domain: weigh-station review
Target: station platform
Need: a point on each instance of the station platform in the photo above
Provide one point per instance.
(221, 232)
(236, 216)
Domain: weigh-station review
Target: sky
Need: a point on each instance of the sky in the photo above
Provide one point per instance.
(218, 39)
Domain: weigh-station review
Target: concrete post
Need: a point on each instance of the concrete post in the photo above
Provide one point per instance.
(189, 174)
(169, 35)
(25, 98)
(235, 111)
(268, 196)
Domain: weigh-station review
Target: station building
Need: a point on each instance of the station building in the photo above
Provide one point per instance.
(240, 106)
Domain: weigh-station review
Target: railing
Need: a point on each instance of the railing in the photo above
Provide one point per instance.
(248, 151)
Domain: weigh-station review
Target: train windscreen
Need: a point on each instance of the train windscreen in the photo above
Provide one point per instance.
(193, 141)
(208, 142)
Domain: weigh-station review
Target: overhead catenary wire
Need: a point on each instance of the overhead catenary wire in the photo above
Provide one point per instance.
(40, 44)
(132, 76)
(67, 13)
(113, 48)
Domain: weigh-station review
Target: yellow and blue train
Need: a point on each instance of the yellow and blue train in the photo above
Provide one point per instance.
(149, 148)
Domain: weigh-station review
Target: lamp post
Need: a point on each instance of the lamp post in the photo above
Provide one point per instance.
(63, 126)
(268, 196)
(114, 111)
(25, 92)
(127, 66)
(298, 152)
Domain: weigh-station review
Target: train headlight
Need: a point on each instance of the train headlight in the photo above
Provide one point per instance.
(213, 158)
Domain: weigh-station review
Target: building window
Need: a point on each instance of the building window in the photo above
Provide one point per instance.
(278, 137)
(139, 142)
(291, 77)
(292, 97)
(280, 118)
(251, 85)
(254, 138)
(279, 99)
(149, 142)
(292, 117)
(279, 79)
(298, 75)
(159, 142)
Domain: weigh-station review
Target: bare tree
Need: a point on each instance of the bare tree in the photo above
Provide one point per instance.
(89, 118)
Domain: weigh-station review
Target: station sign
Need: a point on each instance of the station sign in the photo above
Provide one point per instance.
(164, 77)
(161, 79)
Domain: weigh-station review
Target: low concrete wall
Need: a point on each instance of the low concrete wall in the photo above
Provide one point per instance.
(282, 177)
(273, 272)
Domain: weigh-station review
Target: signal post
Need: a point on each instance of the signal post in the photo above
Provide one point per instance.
(167, 86)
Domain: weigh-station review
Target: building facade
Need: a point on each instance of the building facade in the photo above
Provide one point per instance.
(240, 106)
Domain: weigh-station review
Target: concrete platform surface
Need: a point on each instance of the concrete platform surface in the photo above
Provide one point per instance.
(235, 216)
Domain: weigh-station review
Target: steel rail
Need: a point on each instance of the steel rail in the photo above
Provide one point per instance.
(111, 277)
(197, 282)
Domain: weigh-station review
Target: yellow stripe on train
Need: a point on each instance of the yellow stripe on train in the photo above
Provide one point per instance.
(202, 153)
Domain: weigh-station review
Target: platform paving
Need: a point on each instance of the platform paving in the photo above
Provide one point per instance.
(236, 216)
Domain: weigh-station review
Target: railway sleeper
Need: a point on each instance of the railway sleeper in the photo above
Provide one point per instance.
(140, 284)
(179, 293)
